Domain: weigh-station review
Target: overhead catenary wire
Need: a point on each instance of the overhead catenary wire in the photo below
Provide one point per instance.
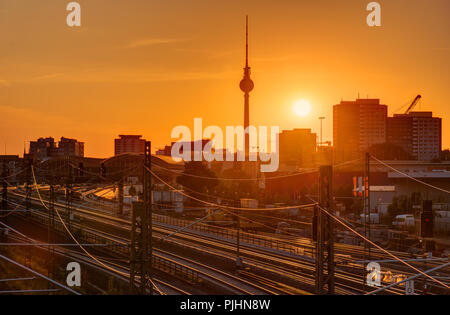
(379, 247)
(14, 174)
(408, 279)
(76, 241)
(223, 206)
(312, 171)
(189, 225)
(39, 275)
(63, 252)
(109, 174)
(410, 177)
(12, 210)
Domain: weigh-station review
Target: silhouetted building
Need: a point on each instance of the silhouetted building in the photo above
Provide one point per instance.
(297, 147)
(167, 151)
(418, 133)
(45, 148)
(11, 164)
(41, 148)
(70, 147)
(189, 145)
(357, 125)
(129, 144)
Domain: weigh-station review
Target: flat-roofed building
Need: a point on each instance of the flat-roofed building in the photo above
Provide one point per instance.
(357, 125)
(418, 133)
(297, 147)
(129, 144)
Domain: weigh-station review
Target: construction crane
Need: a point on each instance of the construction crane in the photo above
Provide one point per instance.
(413, 104)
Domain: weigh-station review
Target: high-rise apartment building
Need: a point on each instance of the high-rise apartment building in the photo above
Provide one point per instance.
(297, 147)
(129, 144)
(70, 147)
(44, 148)
(357, 125)
(418, 133)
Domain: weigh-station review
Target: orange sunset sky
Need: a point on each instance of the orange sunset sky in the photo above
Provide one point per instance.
(143, 67)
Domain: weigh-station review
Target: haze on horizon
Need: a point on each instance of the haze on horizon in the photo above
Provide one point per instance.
(144, 67)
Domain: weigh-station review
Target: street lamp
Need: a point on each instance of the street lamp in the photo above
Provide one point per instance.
(321, 120)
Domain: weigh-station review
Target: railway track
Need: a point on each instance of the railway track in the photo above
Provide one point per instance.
(230, 283)
(308, 268)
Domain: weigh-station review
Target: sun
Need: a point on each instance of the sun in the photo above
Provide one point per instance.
(302, 108)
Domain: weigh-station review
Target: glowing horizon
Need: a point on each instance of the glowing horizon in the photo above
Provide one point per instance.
(142, 68)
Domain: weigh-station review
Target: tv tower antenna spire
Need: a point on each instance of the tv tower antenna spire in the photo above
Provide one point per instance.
(246, 86)
(246, 41)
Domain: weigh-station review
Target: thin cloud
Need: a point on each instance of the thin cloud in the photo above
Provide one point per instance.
(209, 53)
(4, 82)
(154, 41)
(48, 76)
(128, 76)
(277, 58)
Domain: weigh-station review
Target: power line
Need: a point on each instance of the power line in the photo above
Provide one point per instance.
(223, 206)
(315, 170)
(408, 279)
(379, 247)
(406, 175)
(39, 275)
(73, 237)
(14, 174)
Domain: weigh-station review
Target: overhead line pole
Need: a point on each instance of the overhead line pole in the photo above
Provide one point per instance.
(141, 233)
(368, 197)
(148, 200)
(51, 230)
(324, 234)
(238, 236)
(28, 161)
(69, 194)
(4, 191)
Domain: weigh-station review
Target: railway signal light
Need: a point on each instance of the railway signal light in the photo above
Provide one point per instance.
(103, 170)
(426, 219)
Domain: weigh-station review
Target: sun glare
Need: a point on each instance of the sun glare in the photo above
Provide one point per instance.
(302, 108)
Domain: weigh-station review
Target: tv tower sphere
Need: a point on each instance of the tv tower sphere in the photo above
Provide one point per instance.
(246, 85)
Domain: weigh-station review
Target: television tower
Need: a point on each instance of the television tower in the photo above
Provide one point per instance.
(246, 86)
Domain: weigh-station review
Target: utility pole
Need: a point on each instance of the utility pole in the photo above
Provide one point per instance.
(69, 195)
(148, 201)
(51, 230)
(28, 163)
(141, 234)
(427, 226)
(366, 215)
(4, 205)
(324, 233)
(120, 195)
(4, 193)
(238, 235)
(321, 120)
(5, 187)
(368, 198)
